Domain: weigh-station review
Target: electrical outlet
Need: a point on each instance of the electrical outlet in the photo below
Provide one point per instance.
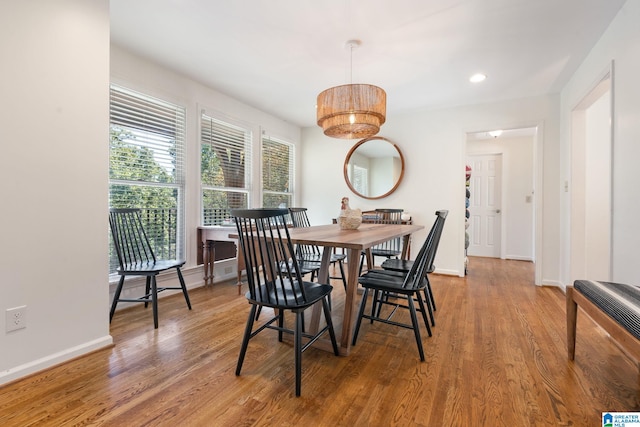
(16, 318)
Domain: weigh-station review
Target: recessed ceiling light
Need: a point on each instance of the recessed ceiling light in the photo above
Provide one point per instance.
(477, 78)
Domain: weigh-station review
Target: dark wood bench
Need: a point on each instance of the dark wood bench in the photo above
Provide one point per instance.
(613, 306)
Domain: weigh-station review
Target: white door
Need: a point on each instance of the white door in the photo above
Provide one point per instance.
(485, 205)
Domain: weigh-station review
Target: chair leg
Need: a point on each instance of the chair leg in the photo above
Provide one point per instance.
(184, 288)
(154, 301)
(116, 297)
(363, 303)
(246, 337)
(428, 299)
(433, 301)
(376, 304)
(423, 309)
(416, 328)
(298, 350)
(384, 296)
(147, 290)
(344, 277)
(280, 323)
(327, 316)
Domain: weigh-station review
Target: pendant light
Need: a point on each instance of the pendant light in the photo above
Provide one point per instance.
(351, 111)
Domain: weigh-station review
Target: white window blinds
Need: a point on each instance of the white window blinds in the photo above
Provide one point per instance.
(225, 165)
(277, 173)
(147, 138)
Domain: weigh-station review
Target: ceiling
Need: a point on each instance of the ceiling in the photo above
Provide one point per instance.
(277, 55)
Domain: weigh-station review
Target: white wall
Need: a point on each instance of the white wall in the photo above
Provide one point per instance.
(54, 171)
(517, 185)
(433, 143)
(621, 44)
(385, 175)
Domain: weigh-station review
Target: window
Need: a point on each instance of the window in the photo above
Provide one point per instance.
(277, 173)
(225, 169)
(360, 180)
(146, 171)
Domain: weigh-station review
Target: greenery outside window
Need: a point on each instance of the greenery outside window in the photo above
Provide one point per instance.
(225, 169)
(277, 173)
(146, 157)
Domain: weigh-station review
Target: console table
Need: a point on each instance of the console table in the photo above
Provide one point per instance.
(207, 238)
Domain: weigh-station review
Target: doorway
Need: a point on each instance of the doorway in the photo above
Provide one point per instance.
(502, 214)
(591, 182)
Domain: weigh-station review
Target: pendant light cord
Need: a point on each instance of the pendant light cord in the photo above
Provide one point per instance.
(351, 64)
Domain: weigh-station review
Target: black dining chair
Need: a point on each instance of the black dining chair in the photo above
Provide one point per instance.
(306, 266)
(407, 285)
(275, 281)
(389, 249)
(312, 253)
(136, 258)
(404, 265)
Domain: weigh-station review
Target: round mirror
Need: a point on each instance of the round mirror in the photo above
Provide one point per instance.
(374, 167)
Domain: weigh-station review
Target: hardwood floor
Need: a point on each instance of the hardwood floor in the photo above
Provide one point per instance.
(497, 357)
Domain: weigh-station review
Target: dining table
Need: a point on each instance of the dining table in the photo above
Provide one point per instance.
(354, 242)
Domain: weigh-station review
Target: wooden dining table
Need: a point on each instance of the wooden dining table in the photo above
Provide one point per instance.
(353, 242)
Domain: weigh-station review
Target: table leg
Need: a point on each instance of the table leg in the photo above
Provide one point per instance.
(208, 257)
(353, 259)
(212, 259)
(203, 250)
(323, 273)
(240, 265)
(353, 266)
(406, 246)
(370, 259)
(323, 277)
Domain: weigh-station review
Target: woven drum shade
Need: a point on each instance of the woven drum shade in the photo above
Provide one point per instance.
(352, 111)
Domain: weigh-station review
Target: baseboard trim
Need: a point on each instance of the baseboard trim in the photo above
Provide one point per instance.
(519, 258)
(24, 370)
(555, 283)
(446, 272)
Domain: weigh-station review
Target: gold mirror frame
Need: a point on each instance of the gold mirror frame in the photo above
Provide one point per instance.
(348, 159)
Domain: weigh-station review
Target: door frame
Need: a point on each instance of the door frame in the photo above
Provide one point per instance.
(538, 188)
(603, 83)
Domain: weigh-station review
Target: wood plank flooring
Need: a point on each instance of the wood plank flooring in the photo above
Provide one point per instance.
(497, 357)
